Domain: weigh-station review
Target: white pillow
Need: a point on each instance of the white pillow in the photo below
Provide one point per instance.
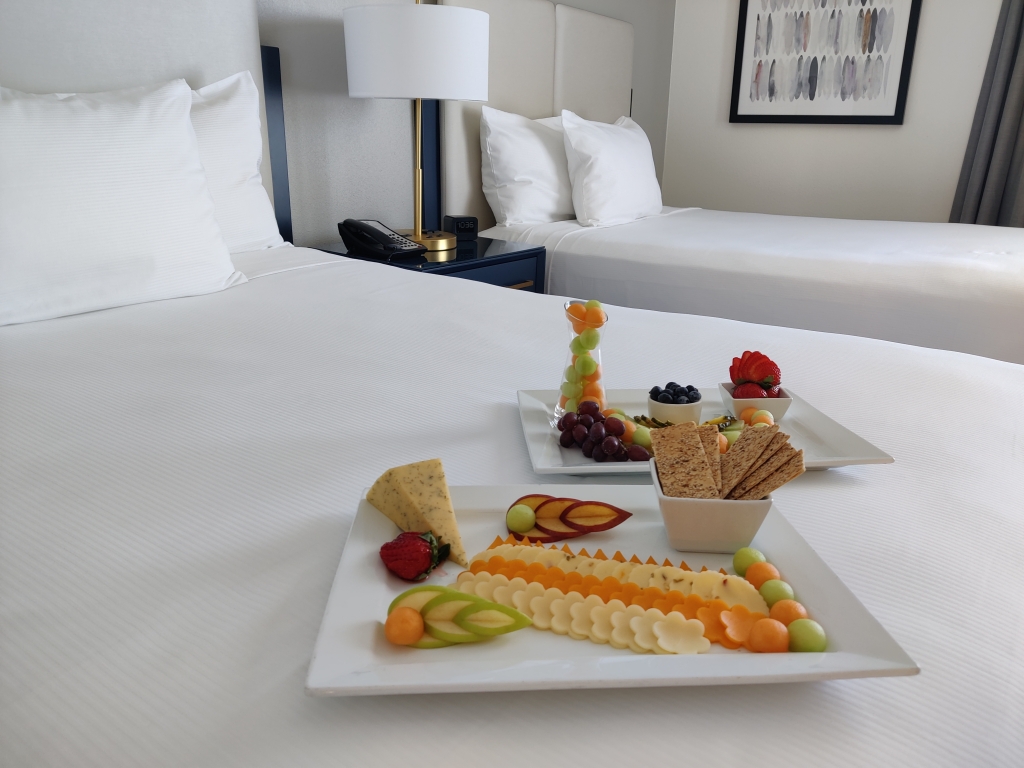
(226, 116)
(612, 171)
(524, 170)
(103, 202)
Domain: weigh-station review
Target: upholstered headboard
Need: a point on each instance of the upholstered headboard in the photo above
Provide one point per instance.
(543, 58)
(54, 46)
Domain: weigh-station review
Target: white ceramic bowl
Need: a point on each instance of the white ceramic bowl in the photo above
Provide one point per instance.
(709, 525)
(776, 406)
(677, 414)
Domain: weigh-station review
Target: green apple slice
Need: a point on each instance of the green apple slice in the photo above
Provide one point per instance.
(490, 619)
(439, 614)
(428, 642)
(417, 597)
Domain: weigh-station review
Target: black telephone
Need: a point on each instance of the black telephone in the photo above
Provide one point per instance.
(371, 238)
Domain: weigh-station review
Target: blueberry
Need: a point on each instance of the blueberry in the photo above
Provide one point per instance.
(655, 392)
(681, 400)
(671, 385)
(665, 397)
(695, 396)
(690, 388)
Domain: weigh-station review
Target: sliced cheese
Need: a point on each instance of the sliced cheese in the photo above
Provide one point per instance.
(423, 485)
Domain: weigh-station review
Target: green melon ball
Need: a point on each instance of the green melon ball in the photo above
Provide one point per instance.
(585, 365)
(520, 518)
(774, 590)
(572, 375)
(576, 345)
(571, 390)
(590, 338)
(744, 558)
(806, 636)
(593, 304)
(572, 404)
(642, 437)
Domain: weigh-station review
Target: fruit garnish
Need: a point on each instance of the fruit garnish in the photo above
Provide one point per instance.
(490, 619)
(411, 556)
(748, 390)
(404, 626)
(593, 516)
(760, 572)
(775, 590)
(744, 558)
(806, 636)
(548, 516)
(757, 368)
(768, 636)
(787, 611)
(520, 518)
(439, 618)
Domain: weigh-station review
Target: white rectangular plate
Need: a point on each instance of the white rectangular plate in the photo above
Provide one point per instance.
(353, 658)
(825, 443)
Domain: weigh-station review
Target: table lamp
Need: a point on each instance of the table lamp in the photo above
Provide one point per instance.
(417, 52)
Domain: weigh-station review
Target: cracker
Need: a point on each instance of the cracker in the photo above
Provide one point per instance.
(759, 473)
(788, 471)
(780, 439)
(741, 456)
(709, 438)
(682, 465)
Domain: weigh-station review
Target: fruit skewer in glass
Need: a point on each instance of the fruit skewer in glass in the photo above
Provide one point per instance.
(581, 377)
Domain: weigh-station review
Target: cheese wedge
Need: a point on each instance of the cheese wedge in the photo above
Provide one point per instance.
(415, 497)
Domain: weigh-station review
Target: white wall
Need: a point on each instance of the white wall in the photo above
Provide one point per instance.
(347, 158)
(906, 172)
(352, 158)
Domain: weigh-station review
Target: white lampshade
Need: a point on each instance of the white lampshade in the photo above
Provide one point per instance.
(416, 52)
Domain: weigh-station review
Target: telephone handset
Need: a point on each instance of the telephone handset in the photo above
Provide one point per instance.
(371, 238)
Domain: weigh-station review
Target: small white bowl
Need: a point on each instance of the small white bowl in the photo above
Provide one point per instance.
(677, 414)
(709, 525)
(776, 406)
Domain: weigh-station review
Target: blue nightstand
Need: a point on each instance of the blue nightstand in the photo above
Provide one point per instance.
(498, 262)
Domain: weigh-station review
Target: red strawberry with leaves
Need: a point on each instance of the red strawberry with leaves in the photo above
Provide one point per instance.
(775, 391)
(762, 370)
(413, 555)
(736, 369)
(749, 389)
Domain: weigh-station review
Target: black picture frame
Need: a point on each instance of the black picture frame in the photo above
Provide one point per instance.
(901, 99)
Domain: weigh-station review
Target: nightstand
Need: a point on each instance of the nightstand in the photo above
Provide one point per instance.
(498, 262)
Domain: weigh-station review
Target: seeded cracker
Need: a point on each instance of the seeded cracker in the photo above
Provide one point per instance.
(709, 439)
(682, 465)
(741, 456)
(788, 471)
(762, 471)
(780, 439)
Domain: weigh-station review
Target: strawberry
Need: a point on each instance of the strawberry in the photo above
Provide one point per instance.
(775, 391)
(750, 389)
(735, 370)
(760, 369)
(413, 555)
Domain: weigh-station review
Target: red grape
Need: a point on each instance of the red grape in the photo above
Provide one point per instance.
(579, 434)
(586, 421)
(599, 455)
(588, 407)
(569, 421)
(588, 448)
(611, 445)
(638, 453)
(566, 439)
(614, 426)
(597, 432)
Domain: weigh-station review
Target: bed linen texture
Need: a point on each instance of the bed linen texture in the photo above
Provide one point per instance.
(947, 286)
(177, 480)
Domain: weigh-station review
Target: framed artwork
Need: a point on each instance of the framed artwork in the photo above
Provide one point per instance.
(823, 61)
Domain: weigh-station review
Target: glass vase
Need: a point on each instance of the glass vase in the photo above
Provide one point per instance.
(581, 375)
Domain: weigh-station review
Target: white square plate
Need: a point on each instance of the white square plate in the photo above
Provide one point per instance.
(825, 442)
(353, 658)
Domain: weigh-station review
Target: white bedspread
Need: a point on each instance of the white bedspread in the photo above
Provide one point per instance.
(947, 286)
(177, 480)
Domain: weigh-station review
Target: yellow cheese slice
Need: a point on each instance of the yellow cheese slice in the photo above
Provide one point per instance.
(424, 485)
(396, 505)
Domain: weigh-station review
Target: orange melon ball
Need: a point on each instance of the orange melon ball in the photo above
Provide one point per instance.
(562, 401)
(579, 326)
(627, 436)
(593, 390)
(768, 636)
(758, 573)
(577, 311)
(747, 413)
(787, 611)
(723, 443)
(596, 317)
(595, 375)
(404, 626)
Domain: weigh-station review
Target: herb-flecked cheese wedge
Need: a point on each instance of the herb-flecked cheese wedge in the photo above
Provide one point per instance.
(425, 486)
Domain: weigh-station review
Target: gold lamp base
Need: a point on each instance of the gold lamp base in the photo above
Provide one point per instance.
(433, 239)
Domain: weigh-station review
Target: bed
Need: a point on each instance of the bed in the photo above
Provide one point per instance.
(946, 286)
(177, 481)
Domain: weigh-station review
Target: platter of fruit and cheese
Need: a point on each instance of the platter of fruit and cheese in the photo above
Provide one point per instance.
(825, 442)
(608, 636)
